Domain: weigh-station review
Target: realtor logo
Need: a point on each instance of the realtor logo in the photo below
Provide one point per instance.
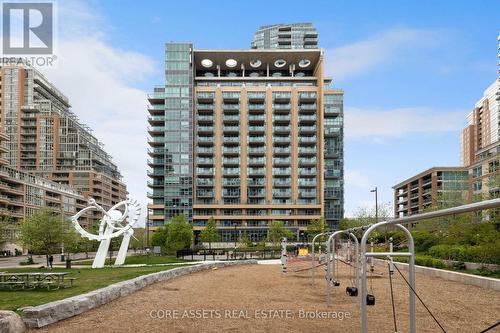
(27, 28)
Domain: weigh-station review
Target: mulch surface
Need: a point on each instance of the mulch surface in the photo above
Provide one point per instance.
(259, 298)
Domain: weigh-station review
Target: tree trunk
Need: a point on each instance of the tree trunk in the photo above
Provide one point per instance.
(47, 259)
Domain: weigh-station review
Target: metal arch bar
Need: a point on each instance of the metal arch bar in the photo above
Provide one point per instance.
(330, 263)
(411, 262)
(313, 256)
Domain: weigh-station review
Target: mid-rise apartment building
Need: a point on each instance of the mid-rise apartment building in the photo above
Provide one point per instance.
(438, 187)
(286, 36)
(246, 137)
(46, 139)
(22, 194)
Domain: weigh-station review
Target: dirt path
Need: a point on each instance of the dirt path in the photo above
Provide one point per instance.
(237, 299)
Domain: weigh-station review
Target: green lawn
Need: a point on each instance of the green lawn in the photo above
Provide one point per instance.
(142, 259)
(87, 280)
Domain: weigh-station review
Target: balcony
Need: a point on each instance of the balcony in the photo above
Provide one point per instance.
(282, 194)
(154, 130)
(281, 172)
(205, 161)
(253, 118)
(156, 173)
(204, 151)
(282, 129)
(332, 131)
(282, 161)
(256, 96)
(150, 195)
(231, 150)
(307, 161)
(256, 107)
(307, 194)
(205, 107)
(204, 194)
(256, 151)
(156, 184)
(281, 140)
(307, 129)
(256, 182)
(156, 161)
(280, 182)
(203, 182)
(280, 151)
(307, 140)
(307, 118)
(281, 96)
(205, 129)
(257, 161)
(231, 193)
(205, 140)
(231, 140)
(256, 194)
(281, 118)
(231, 107)
(231, 119)
(307, 96)
(307, 182)
(156, 120)
(205, 171)
(205, 119)
(256, 129)
(231, 96)
(231, 161)
(156, 141)
(256, 140)
(231, 171)
(282, 107)
(307, 172)
(231, 182)
(307, 108)
(205, 96)
(231, 129)
(256, 171)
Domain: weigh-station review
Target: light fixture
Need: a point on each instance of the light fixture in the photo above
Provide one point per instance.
(207, 63)
(304, 63)
(231, 63)
(255, 63)
(280, 63)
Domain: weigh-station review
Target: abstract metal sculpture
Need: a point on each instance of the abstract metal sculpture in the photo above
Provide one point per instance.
(113, 224)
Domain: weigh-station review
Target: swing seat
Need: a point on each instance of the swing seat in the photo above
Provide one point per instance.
(370, 299)
(336, 283)
(351, 291)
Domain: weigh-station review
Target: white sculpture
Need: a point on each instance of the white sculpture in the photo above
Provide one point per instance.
(113, 224)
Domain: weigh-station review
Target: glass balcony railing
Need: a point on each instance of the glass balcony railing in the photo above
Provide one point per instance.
(230, 150)
(278, 194)
(256, 128)
(282, 106)
(307, 118)
(205, 161)
(230, 95)
(257, 194)
(307, 172)
(258, 161)
(252, 150)
(205, 194)
(281, 117)
(257, 182)
(204, 182)
(205, 139)
(282, 182)
(281, 150)
(233, 139)
(256, 106)
(256, 171)
(281, 139)
(205, 171)
(203, 150)
(231, 171)
(231, 161)
(308, 107)
(231, 118)
(303, 150)
(307, 160)
(205, 129)
(307, 139)
(282, 128)
(230, 106)
(256, 139)
(231, 182)
(282, 161)
(307, 129)
(307, 95)
(253, 117)
(256, 96)
(205, 118)
(281, 96)
(231, 128)
(281, 171)
(305, 182)
(205, 96)
(204, 106)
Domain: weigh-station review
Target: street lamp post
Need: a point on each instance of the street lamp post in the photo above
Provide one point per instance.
(376, 203)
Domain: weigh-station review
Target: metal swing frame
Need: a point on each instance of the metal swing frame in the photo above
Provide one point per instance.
(313, 282)
(330, 263)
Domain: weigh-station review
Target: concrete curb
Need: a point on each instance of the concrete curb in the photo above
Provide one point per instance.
(45, 314)
(475, 280)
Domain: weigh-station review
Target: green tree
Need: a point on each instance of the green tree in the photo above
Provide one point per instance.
(317, 226)
(160, 236)
(44, 232)
(180, 234)
(277, 231)
(210, 233)
(245, 240)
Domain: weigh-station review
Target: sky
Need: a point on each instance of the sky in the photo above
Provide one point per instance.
(411, 71)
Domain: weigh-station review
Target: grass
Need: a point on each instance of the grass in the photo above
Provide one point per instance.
(87, 280)
(141, 259)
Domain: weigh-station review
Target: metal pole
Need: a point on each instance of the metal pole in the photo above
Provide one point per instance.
(330, 261)
(147, 227)
(356, 259)
(313, 256)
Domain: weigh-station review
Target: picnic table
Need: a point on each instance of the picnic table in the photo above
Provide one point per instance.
(51, 281)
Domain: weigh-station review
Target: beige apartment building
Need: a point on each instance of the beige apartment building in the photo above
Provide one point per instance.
(44, 138)
(266, 133)
(437, 187)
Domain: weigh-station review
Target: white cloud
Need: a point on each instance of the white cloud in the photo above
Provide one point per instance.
(100, 81)
(377, 124)
(363, 56)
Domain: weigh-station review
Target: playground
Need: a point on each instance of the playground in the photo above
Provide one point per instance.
(260, 298)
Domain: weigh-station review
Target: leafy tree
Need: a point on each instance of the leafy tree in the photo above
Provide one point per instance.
(180, 234)
(317, 226)
(160, 236)
(245, 240)
(210, 234)
(277, 231)
(44, 232)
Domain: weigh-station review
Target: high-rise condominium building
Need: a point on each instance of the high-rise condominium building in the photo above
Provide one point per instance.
(46, 139)
(246, 137)
(286, 36)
